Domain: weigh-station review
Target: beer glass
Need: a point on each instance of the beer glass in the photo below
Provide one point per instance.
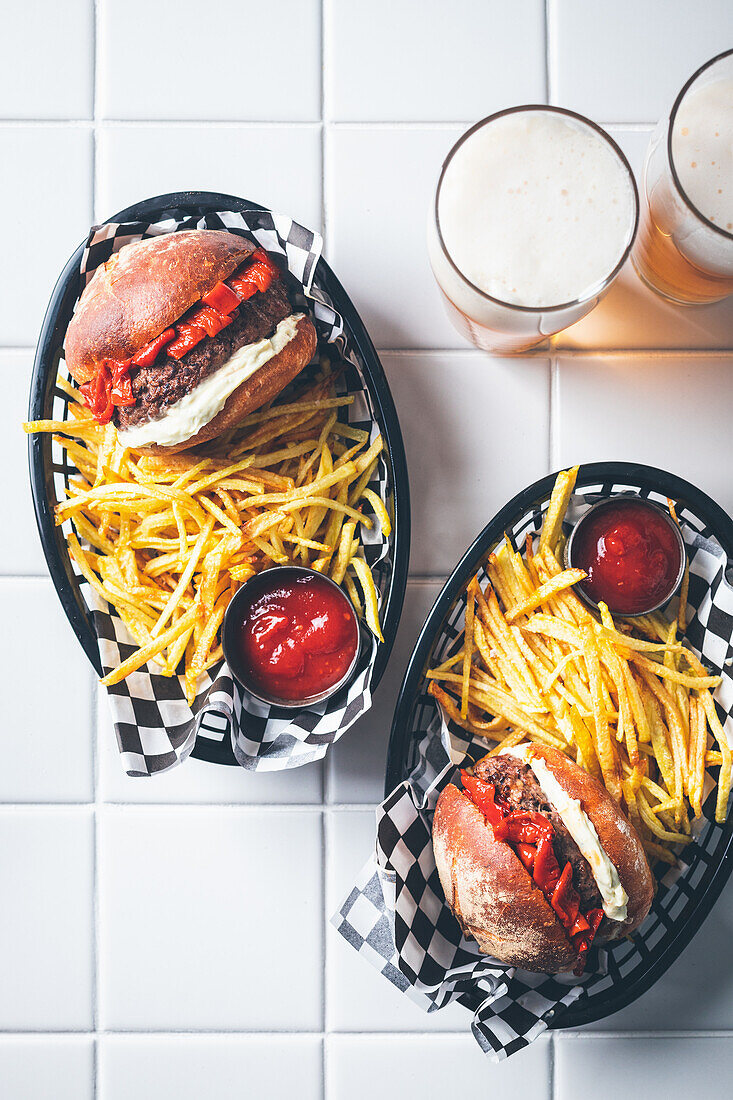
(535, 212)
(684, 249)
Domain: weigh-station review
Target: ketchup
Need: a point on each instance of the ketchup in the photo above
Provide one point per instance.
(631, 554)
(298, 636)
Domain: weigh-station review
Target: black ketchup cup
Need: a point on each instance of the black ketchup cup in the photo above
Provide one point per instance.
(622, 499)
(236, 614)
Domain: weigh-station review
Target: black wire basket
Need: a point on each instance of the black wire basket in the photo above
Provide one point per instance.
(49, 469)
(683, 898)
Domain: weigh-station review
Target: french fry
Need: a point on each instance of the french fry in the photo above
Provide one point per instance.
(165, 532)
(157, 645)
(550, 588)
(371, 606)
(557, 508)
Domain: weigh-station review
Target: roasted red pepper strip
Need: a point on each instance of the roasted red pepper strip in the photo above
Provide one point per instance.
(565, 899)
(482, 796)
(258, 276)
(121, 391)
(580, 925)
(527, 827)
(546, 871)
(527, 853)
(97, 395)
(222, 298)
(582, 942)
(187, 337)
(209, 319)
(148, 354)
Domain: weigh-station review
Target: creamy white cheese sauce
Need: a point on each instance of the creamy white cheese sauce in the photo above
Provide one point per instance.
(581, 828)
(187, 416)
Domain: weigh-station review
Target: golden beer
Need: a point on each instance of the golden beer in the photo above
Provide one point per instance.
(684, 248)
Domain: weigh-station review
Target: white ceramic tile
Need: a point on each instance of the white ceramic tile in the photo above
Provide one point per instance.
(379, 184)
(46, 939)
(634, 144)
(672, 412)
(434, 66)
(45, 190)
(278, 167)
(675, 1068)
(45, 732)
(355, 764)
(229, 61)
(358, 998)
(476, 432)
(22, 553)
(37, 78)
(397, 1067)
(36, 1067)
(210, 919)
(625, 62)
(216, 1067)
(699, 988)
(197, 781)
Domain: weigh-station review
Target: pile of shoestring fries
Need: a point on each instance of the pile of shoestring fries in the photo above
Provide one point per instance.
(626, 700)
(167, 541)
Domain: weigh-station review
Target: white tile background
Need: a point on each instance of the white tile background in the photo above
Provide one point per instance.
(133, 912)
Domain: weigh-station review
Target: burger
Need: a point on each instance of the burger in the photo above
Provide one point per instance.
(537, 861)
(176, 338)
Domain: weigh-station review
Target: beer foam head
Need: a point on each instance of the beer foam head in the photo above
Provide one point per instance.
(536, 208)
(702, 149)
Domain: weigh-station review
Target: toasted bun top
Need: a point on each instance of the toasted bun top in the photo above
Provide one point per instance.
(143, 289)
(618, 837)
(491, 893)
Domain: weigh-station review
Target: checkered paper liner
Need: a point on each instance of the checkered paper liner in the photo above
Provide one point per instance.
(396, 916)
(155, 727)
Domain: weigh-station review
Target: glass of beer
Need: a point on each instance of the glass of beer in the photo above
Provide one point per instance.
(535, 213)
(684, 250)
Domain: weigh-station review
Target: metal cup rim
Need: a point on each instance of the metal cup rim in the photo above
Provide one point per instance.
(232, 660)
(604, 503)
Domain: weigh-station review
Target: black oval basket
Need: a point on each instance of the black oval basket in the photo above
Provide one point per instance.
(45, 467)
(636, 963)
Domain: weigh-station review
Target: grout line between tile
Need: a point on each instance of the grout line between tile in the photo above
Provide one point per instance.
(549, 51)
(554, 428)
(324, 916)
(325, 854)
(558, 351)
(326, 122)
(211, 123)
(551, 1082)
(546, 16)
(279, 123)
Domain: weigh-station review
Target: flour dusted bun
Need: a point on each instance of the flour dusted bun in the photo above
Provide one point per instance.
(143, 289)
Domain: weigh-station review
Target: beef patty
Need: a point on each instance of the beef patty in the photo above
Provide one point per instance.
(515, 784)
(159, 386)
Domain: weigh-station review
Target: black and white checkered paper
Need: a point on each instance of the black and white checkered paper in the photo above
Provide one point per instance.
(155, 727)
(396, 916)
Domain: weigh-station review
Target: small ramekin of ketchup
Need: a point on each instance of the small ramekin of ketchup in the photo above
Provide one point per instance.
(632, 551)
(291, 636)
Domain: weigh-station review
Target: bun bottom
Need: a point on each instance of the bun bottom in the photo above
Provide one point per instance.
(264, 385)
